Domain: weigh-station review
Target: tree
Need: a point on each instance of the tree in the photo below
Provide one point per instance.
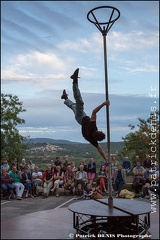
(145, 140)
(11, 140)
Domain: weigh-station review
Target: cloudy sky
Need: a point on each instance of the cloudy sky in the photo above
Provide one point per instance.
(43, 42)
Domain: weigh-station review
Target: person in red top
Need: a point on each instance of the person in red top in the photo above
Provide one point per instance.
(89, 128)
(47, 181)
(6, 185)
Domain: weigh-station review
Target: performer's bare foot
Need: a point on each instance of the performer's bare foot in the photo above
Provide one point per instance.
(74, 76)
(64, 95)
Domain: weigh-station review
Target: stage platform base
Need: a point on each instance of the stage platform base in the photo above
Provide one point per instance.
(94, 218)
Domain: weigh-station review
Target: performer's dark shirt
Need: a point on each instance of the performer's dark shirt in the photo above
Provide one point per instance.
(88, 128)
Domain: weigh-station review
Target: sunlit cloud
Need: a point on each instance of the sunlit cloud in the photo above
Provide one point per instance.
(42, 44)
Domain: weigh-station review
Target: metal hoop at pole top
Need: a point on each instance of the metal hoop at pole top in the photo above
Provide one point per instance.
(114, 15)
(104, 28)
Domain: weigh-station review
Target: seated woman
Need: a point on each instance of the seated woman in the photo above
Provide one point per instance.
(48, 176)
(6, 185)
(102, 178)
(58, 179)
(26, 179)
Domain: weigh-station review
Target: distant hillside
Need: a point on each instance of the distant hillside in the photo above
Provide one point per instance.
(47, 140)
(74, 146)
(43, 150)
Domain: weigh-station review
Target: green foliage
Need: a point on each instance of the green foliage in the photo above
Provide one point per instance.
(143, 141)
(11, 140)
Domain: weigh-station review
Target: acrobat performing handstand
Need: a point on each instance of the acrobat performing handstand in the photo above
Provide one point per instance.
(89, 129)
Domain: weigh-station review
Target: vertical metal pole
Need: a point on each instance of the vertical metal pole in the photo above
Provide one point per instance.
(110, 199)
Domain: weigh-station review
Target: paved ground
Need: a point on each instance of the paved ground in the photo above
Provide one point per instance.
(17, 208)
(48, 218)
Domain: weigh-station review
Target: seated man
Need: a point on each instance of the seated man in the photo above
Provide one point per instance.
(69, 179)
(138, 172)
(36, 180)
(126, 164)
(16, 179)
(81, 176)
(119, 178)
(147, 166)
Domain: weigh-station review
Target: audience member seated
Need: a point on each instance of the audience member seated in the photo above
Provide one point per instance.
(135, 161)
(88, 192)
(6, 185)
(102, 179)
(97, 193)
(36, 180)
(147, 162)
(69, 179)
(4, 164)
(126, 164)
(91, 171)
(106, 162)
(138, 173)
(31, 166)
(58, 180)
(65, 164)
(147, 166)
(146, 192)
(114, 166)
(23, 164)
(58, 161)
(26, 179)
(79, 192)
(14, 163)
(53, 166)
(154, 166)
(119, 178)
(48, 176)
(16, 181)
(74, 168)
(81, 176)
(84, 164)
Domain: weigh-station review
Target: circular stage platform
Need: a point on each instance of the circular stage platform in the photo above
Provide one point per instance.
(126, 217)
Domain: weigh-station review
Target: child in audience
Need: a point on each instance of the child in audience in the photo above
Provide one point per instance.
(98, 189)
(97, 193)
(88, 192)
(79, 192)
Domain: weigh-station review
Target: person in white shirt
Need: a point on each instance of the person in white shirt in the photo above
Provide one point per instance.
(36, 179)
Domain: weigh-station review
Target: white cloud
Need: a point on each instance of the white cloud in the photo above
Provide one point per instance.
(141, 69)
